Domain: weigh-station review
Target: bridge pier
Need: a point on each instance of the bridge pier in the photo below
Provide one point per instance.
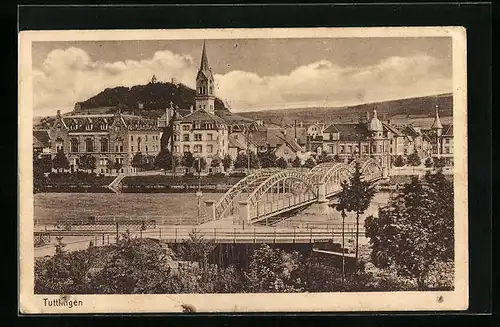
(322, 207)
(210, 204)
(385, 172)
(244, 211)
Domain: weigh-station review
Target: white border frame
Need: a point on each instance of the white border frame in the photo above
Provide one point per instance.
(302, 302)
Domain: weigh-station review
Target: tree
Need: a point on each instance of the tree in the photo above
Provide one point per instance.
(137, 160)
(414, 160)
(199, 164)
(413, 234)
(196, 249)
(336, 158)
(133, 266)
(267, 159)
(60, 161)
(241, 161)
(296, 162)
(41, 165)
(428, 163)
(271, 270)
(216, 162)
(164, 159)
(187, 160)
(87, 162)
(254, 160)
(399, 161)
(439, 163)
(227, 161)
(281, 163)
(324, 157)
(310, 163)
(342, 206)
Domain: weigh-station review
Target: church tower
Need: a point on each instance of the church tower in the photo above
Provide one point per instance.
(205, 98)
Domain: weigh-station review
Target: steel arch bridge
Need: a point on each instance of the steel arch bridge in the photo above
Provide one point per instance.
(271, 192)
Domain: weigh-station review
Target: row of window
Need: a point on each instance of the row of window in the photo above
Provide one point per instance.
(139, 148)
(188, 127)
(197, 137)
(155, 138)
(197, 148)
(355, 149)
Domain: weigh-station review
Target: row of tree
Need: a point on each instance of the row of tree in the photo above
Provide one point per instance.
(414, 160)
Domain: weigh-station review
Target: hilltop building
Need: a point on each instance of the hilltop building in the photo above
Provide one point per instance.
(107, 137)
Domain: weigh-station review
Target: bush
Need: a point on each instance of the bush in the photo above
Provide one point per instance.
(237, 174)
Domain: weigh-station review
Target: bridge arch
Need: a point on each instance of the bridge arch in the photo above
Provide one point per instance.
(291, 178)
(245, 185)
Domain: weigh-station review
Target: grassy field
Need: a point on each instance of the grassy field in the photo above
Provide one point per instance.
(56, 206)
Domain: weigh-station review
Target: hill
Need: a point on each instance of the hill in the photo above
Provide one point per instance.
(155, 97)
(420, 107)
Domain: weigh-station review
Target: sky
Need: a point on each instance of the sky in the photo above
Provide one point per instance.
(250, 74)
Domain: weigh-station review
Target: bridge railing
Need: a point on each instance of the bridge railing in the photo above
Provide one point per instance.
(249, 234)
(264, 208)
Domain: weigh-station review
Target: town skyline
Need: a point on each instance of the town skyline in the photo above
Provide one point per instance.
(325, 73)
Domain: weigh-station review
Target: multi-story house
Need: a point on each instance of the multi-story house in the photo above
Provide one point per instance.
(441, 138)
(202, 132)
(352, 140)
(107, 137)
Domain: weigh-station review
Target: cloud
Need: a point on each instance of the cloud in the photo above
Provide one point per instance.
(322, 83)
(71, 75)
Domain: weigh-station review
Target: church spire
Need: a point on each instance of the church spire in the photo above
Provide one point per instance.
(437, 122)
(204, 66)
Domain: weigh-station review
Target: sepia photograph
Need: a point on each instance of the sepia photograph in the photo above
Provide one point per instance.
(238, 170)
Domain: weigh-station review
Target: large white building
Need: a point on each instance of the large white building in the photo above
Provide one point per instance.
(202, 132)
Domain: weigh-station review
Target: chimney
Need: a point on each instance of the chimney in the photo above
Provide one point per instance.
(58, 113)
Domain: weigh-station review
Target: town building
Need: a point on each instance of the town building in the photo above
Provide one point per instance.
(441, 138)
(41, 143)
(201, 132)
(107, 137)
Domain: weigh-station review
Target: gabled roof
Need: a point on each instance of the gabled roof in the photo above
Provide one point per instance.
(290, 142)
(41, 139)
(101, 123)
(258, 138)
(392, 129)
(331, 129)
(409, 130)
(237, 140)
(352, 131)
(201, 115)
(448, 130)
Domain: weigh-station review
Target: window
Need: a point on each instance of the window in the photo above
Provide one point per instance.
(104, 145)
(197, 126)
(210, 148)
(59, 144)
(119, 145)
(330, 148)
(198, 148)
(131, 137)
(74, 145)
(132, 148)
(117, 128)
(186, 137)
(175, 137)
(349, 148)
(89, 145)
(146, 138)
(146, 148)
(139, 143)
(380, 149)
(365, 148)
(185, 127)
(176, 148)
(342, 149)
(197, 137)
(185, 148)
(210, 136)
